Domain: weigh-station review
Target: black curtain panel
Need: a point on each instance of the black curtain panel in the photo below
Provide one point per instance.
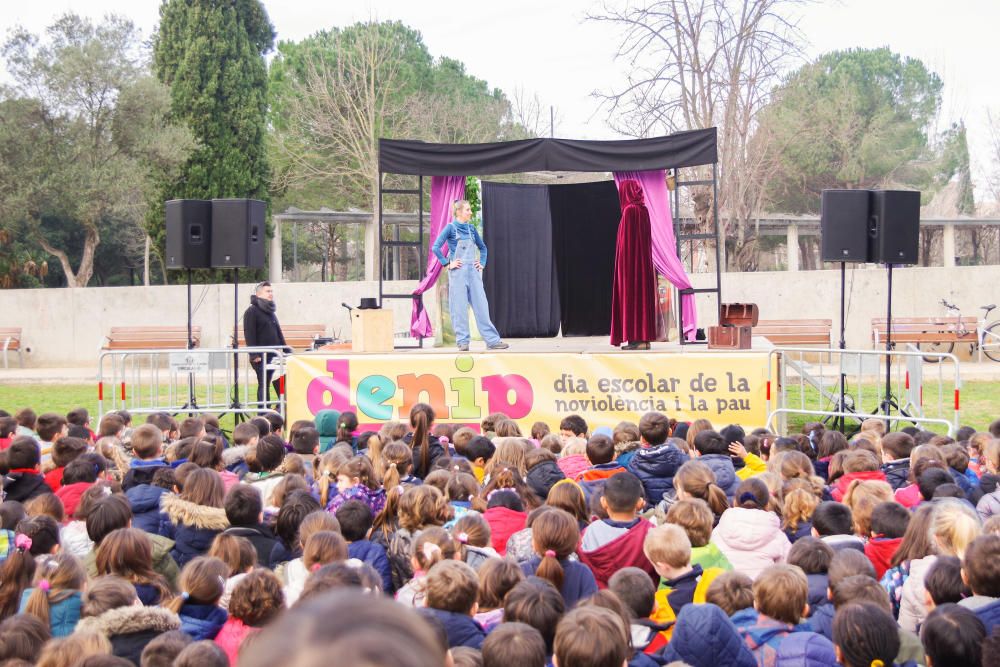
(585, 220)
(520, 276)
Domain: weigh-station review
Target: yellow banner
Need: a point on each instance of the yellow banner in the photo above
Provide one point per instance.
(727, 387)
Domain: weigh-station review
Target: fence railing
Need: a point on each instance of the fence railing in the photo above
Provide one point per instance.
(809, 382)
(199, 381)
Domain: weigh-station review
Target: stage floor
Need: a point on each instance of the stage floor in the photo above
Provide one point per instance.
(558, 344)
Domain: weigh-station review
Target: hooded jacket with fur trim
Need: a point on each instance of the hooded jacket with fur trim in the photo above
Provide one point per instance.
(131, 628)
(192, 527)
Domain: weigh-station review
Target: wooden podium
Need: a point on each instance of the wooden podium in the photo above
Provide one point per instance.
(371, 330)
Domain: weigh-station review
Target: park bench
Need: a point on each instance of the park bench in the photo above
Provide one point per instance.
(795, 333)
(10, 337)
(924, 330)
(297, 336)
(151, 337)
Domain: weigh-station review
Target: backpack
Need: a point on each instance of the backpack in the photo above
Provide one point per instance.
(805, 649)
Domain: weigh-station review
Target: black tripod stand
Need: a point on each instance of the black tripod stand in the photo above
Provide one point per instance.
(192, 402)
(235, 405)
(845, 403)
(889, 401)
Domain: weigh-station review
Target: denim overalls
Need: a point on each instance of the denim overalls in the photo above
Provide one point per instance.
(465, 288)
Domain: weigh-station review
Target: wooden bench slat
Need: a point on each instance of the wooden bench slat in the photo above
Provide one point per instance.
(296, 335)
(794, 333)
(795, 323)
(142, 337)
(925, 329)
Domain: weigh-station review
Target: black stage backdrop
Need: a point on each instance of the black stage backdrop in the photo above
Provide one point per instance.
(551, 257)
(585, 219)
(520, 277)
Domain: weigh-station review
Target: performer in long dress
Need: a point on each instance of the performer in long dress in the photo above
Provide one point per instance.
(633, 300)
(465, 279)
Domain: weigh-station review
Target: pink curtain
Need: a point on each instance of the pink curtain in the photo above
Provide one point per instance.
(665, 259)
(444, 191)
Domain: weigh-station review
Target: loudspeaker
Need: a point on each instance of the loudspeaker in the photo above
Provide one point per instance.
(844, 226)
(238, 233)
(189, 233)
(897, 226)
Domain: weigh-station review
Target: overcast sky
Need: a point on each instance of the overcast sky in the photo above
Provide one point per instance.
(546, 47)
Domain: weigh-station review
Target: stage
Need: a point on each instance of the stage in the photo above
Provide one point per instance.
(537, 379)
(570, 344)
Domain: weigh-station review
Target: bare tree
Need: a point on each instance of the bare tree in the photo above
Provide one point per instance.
(336, 114)
(702, 63)
(993, 177)
(529, 112)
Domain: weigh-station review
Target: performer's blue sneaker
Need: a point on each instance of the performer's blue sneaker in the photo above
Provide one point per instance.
(498, 346)
(463, 347)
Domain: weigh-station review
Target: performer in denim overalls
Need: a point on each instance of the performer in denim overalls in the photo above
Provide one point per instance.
(465, 280)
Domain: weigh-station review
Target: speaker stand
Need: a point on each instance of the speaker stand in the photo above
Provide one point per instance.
(235, 405)
(840, 423)
(192, 402)
(889, 402)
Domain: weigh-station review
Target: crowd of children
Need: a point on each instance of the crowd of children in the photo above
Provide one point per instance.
(657, 543)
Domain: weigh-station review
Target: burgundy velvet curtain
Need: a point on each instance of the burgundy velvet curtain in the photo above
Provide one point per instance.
(665, 259)
(633, 300)
(444, 191)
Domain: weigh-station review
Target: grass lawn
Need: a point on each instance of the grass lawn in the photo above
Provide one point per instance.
(980, 404)
(980, 401)
(61, 398)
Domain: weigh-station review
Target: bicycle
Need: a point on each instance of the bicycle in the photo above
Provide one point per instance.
(987, 334)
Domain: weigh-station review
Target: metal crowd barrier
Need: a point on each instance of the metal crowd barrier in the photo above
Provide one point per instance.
(198, 381)
(817, 374)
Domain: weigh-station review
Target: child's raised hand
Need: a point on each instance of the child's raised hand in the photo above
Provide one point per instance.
(737, 450)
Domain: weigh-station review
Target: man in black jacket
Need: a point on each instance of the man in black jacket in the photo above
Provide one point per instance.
(261, 329)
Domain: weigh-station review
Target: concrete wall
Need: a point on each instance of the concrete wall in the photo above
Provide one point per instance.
(66, 327)
(916, 292)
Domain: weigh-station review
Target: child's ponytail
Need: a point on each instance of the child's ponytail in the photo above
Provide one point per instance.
(471, 530)
(397, 461)
(433, 545)
(57, 577)
(326, 473)
(346, 426)
(390, 478)
(388, 519)
(421, 418)
(16, 574)
(554, 535)
(717, 499)
(752, 494)
(202, 581)
(550, 568)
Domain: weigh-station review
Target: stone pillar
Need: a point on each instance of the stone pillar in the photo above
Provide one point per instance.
(792, 243)
(274, 262)
(948, 244)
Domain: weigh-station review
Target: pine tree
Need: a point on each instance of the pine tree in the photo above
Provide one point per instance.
(211, 54)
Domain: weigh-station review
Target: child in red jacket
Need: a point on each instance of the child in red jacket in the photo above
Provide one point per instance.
(611, 544)
(888, 524)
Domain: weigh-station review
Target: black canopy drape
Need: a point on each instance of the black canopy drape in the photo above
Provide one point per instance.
(683, 149)
(520, 276)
